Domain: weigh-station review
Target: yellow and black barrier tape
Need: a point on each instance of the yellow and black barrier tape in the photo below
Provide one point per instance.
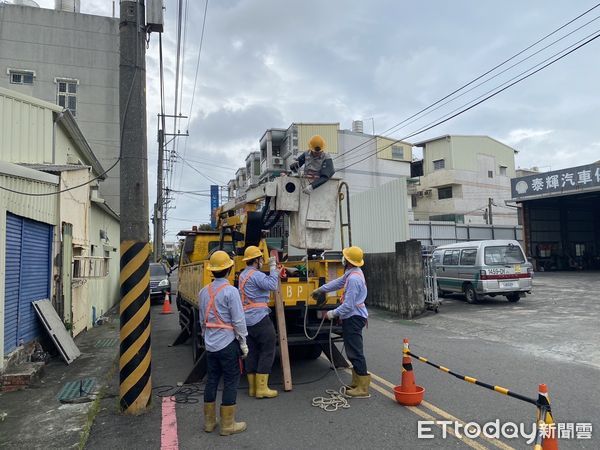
(135, 384)
(472, 380)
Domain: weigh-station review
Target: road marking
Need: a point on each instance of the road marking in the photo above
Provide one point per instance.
(444, 414)
(424, 415)
(168, 429)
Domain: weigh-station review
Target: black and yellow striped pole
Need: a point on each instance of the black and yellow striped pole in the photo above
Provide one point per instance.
(135, 384)
(472, 380)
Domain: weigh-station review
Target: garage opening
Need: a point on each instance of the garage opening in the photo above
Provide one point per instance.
(563, 233)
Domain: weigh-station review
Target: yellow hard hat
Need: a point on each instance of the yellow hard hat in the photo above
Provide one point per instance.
(252, 252)
(219, 261)
(316, 141)
(354, 255)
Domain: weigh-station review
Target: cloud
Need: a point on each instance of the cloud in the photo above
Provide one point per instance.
(516, 137)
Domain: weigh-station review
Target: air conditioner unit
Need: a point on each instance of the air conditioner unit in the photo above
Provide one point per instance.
(427, 192)
(277, 161)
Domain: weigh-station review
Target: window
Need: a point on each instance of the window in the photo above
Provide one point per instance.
(413, 201)
(490, 174)
(397, 152)
(451, 257)
(445, 192)
(467, 257)
(67, 94)
(504, 254)
(503, 171)
(439, 164)
(21, 76)
(437, 257)
(90, 266)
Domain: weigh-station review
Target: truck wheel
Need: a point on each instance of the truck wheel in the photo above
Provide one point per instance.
(514, 297)
(470, 293)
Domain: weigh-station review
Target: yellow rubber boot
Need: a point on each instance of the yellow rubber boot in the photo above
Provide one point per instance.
(210, 417)
(228, 423)
(354, 382)
(362, 390)
(251, 384)
(262, 388)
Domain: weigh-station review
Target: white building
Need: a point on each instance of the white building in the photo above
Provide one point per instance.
(460, 176)
(62, 246)
(72, 60)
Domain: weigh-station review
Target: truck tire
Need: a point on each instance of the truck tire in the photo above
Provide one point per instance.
(470, 293)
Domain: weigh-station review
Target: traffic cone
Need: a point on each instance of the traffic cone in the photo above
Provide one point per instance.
(549, 440)
(408, 393)
(166, 309)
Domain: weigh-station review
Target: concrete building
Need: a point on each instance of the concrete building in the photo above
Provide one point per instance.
(72, 60)
(459, 175)
(61, 245)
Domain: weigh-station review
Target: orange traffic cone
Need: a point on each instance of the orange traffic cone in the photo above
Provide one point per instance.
(408, 393)
(546, 425)
(166, 309)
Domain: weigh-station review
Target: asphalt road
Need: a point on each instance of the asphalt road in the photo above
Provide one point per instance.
(549, 337)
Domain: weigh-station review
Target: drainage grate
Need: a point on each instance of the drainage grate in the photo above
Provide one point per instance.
(76, 389)
(107, 342)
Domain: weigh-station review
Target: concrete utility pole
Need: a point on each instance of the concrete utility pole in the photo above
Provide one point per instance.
(490, 217)
(135, 386)
(159, 207)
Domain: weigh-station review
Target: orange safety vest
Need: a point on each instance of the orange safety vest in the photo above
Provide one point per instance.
(362, 277)
(246, 302)
(218, 321)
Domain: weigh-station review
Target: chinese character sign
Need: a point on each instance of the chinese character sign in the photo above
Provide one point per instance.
(581, 178)
(214, 204)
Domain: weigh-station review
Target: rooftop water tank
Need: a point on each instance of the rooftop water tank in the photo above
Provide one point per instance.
(67, 5)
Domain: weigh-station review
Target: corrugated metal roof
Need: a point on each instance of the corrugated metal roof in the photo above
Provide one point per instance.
(55, 168)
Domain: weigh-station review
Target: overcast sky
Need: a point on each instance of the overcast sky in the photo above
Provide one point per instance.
(268, 63)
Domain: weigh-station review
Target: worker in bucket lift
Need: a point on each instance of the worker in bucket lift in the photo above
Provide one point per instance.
(255, 287)
(318, 166)
(353, 314)
(224, 331)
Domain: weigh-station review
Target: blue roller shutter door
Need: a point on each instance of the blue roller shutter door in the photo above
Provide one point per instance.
(12, 264)
(30, 249)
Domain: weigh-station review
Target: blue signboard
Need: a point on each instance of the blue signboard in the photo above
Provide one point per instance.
(214, 204)
(557, 182)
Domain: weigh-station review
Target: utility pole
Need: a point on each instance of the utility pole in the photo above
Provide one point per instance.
(135, 384)
(159, 206)
(490, 217)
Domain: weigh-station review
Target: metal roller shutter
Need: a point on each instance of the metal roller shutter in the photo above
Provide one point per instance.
(29, 245)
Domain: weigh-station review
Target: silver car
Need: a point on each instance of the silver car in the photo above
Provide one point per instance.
(159, 282)
(478, 268)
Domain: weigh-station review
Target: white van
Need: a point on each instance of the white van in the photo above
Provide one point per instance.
(477, 268)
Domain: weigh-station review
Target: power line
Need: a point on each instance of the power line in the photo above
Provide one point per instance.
(472, 81)
(433, 125)
(213, 181)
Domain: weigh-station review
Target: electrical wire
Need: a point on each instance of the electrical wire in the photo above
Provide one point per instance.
(484, 99)
(474, 80)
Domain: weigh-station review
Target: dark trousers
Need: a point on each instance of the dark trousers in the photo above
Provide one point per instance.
(261, 342)
(353, 342)
(224, 363)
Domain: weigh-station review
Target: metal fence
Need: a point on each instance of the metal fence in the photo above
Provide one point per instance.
(430, 290)
(433, 233)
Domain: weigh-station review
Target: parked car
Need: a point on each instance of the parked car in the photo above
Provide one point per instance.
(478, 268)
(159, 282)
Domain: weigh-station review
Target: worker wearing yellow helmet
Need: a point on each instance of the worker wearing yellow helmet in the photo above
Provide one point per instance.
(224, 331)
(318, 166)
(353, 314)
(255, 288)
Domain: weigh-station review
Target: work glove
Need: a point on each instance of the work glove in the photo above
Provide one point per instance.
(244, 349)
(294, 166)
(272, 263)
(308, 189)
(330, 315)
(315, 293)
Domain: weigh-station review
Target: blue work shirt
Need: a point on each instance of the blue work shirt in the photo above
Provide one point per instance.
(229, 306)
(257, 290)
(355, 293)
